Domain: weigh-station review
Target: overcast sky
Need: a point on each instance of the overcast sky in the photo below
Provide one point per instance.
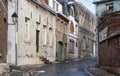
(88, 4)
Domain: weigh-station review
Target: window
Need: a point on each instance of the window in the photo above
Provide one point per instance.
(37, 25)
(27, 21)
(76, 29)
(57, 7)
(53, 4)
(61, 26)
(65, 28)
(84, 43)
(37, 40)
(71, 27)
(50, 36)
(44, 35)
(110, 7)
(71, 46)
(77, 44)
(72, 11)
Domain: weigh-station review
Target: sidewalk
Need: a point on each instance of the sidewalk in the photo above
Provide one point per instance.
(95, 71)
(22, 70)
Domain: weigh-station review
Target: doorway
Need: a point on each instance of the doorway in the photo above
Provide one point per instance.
(37, 40)
(59, 51)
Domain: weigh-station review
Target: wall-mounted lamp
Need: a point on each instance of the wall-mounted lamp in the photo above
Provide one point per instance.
(14, 19)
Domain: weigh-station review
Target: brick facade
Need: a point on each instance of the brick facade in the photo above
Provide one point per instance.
(114, 23)
(109, 49)
(3, 30)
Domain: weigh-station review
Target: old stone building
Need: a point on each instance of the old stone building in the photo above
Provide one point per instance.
(32, 38)
(70, 10)
(3, 34)
(61, 30)
(73, 30)
(61, 37)
(108, 19)
(87, 32)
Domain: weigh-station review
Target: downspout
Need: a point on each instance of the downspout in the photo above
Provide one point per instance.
(56, 35)
(97, 35)
(98, 61)
(16, 38)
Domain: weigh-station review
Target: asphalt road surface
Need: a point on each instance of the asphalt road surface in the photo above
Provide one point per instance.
(72, 68)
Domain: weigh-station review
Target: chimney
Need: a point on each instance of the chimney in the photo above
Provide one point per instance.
(47, 2)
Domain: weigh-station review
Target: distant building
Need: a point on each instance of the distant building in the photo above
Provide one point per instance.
(87, 32)
(108, 23)
(33, 36)
(3, 34)
(73, 30)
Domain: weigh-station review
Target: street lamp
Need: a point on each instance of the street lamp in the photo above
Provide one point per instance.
(14, 19)
(14, 24)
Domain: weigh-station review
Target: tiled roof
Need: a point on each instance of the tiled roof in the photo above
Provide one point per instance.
(102, 1)
(42, 4)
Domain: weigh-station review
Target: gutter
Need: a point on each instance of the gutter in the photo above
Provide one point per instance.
(105, 1)
(16, 35)
(62, 16)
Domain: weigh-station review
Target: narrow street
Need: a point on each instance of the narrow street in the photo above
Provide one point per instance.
(75, 68)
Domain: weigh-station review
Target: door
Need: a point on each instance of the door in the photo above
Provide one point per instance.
(37, 40)
(59, 51)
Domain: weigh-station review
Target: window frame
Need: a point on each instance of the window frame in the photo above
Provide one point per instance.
(26, 29)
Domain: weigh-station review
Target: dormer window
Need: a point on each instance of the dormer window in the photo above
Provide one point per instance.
(110, 7)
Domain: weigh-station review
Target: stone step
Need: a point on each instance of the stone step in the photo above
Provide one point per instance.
(4, 67)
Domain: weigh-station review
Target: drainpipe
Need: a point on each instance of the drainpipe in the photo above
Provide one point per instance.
(97, 35)
(16, 32)
(97, 44)
(56, 35)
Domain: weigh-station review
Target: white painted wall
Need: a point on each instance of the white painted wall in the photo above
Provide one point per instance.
(27, 50)
(71, 37)
(11, 34)
(51, 3)
(56, 2)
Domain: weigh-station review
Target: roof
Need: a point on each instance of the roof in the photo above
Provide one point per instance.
(44, 6)
(62, 16)
(86, 10)
(102, 1)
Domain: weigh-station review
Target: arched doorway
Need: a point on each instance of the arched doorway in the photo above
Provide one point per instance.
(59, 51)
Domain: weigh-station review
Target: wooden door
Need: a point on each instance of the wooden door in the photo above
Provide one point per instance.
(59, 51)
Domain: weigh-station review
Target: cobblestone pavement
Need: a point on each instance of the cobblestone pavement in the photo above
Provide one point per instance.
(72, 68)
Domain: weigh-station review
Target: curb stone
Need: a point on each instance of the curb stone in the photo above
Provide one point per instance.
(86, 70)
